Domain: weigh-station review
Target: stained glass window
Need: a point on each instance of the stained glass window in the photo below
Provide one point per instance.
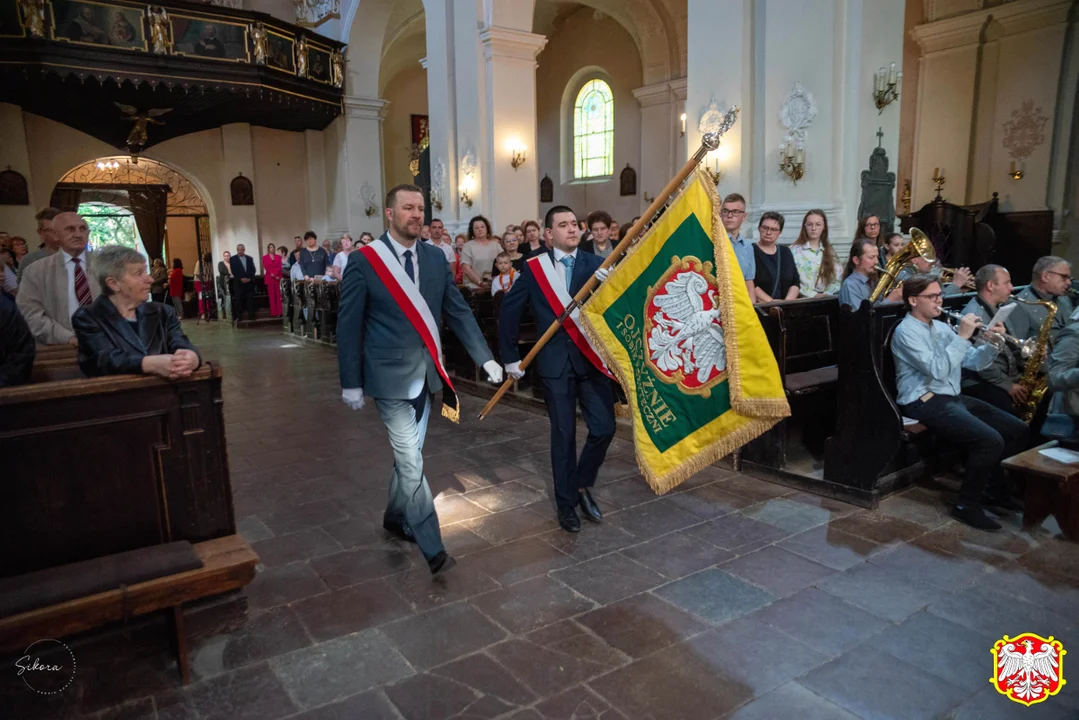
(593, 131)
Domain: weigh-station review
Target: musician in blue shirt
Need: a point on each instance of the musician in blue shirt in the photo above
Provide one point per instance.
(929, 357)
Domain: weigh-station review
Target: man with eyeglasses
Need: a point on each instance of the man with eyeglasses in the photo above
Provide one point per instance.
(1050, 281)
(732, 213)
(929, 358)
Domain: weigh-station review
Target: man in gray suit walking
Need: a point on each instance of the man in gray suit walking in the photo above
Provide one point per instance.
(394, 294)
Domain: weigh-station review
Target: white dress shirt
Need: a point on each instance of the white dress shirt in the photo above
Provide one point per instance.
(72, 301)
(400, 250)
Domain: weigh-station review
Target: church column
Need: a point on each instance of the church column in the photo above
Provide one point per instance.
(441, 104)
(237, 224)
(661, 139)
(511, 193)
(316, 182)
(363, 158)
(18, 219)
(720, 70)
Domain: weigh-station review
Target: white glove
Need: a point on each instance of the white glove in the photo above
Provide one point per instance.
(353, 397)
(602, 273)
(493, 370)
(514, 371)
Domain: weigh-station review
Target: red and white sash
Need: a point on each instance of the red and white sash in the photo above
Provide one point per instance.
(408, 298)
(552, 283)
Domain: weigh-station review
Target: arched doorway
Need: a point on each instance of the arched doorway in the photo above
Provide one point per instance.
(147, 205)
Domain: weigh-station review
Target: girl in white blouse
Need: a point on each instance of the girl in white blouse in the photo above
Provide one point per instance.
(818, 266)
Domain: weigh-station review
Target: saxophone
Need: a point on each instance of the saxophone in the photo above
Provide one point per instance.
(1033, 379)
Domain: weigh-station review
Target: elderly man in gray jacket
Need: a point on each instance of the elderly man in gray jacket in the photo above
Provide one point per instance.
(52, 289)
(395, 293)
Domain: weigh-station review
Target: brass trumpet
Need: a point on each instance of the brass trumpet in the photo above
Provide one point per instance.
(1023, 348)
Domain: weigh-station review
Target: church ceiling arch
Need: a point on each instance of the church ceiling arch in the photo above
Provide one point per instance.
(658, 28)
(366, 38)
(183, 198)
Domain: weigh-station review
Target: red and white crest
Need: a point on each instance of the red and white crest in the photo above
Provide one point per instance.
(1028, 668)
(684, 327)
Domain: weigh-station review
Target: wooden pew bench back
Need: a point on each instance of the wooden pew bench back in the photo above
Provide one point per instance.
(98, 466)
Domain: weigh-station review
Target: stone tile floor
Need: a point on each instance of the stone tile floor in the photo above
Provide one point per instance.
(731, 597)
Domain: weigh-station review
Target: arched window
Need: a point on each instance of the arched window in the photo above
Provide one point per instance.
(593, 131)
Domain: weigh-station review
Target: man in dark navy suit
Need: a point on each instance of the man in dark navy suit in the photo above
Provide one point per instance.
(243, 284)
(568, 376)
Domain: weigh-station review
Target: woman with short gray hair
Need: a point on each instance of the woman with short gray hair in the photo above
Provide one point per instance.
(122, 332)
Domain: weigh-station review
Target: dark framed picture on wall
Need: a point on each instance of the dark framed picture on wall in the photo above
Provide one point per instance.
(82, 22)
(280, 52)
(209, 39)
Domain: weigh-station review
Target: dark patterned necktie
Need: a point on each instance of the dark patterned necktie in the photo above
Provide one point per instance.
(82, 285)
(409, 268)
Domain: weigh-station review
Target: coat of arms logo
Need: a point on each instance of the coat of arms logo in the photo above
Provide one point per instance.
(1028, 668)
(684, 327)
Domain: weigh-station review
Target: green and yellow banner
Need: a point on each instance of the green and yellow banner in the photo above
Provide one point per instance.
(675, 324)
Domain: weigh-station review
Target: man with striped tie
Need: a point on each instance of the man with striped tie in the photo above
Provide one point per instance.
(54, 288)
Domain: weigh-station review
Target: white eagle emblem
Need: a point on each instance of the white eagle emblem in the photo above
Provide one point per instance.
(1024, 674)
(685, 343)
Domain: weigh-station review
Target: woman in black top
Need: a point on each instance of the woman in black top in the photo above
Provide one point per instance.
(777, 277)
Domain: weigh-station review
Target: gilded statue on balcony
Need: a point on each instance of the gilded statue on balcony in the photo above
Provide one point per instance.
(301, 56)
(33, 12)
(259, 38)
(159, 30)
(337, 68)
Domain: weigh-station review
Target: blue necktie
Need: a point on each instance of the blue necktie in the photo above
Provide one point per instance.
(567, 260)
(408, 266)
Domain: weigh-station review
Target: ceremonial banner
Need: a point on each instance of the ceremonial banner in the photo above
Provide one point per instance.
(676, 326)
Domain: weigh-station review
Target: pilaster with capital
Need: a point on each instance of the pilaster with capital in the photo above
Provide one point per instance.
(510, 194)
(363, 157)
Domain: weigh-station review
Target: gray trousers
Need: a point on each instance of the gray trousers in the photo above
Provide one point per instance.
(410, 500)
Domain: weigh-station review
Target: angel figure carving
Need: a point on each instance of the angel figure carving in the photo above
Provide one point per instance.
(137, 138)
(159, 30)
(1027, 673)
(259, 39)
(687, 331)
(301, 57)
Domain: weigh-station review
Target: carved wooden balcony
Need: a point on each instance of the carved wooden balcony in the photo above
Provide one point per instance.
(134, 74)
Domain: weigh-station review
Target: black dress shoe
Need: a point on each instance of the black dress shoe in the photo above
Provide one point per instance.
(568, 520)
(975, 517)
(441, 563)
(400, 530)
(1002, 503)
(589, 507)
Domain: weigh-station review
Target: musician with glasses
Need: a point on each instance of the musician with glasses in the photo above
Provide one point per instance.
(929, 356)
(997, 384)
(732, 213)
(1050, 282)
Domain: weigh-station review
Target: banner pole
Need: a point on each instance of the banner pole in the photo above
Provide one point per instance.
(709, 142)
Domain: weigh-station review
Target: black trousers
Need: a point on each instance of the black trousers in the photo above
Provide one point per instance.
(592, 389)
(243, 299)
(985, 432)
(987, 392)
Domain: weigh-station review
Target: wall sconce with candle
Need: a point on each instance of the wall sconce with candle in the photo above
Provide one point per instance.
(518, 157)
(1015, 173)
(886, 87)
(720, 154)
(683, 119)
(792, 157)
(467, 183)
